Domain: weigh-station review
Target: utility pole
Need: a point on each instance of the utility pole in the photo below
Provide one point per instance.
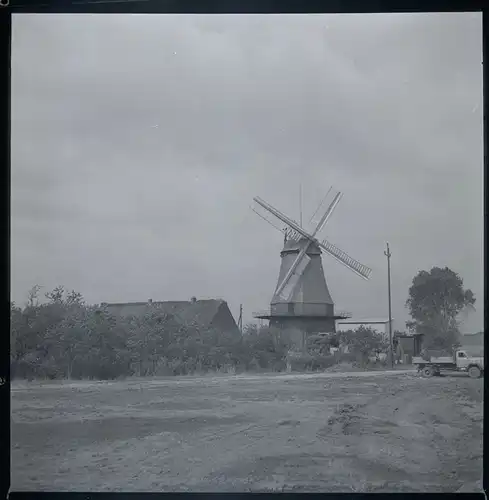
(240, 319)
(388, 254)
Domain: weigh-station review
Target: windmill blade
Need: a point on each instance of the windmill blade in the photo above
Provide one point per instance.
(295, 232)
(343, 258)
(312, 220)
(292, 224)
(288, 290)
(269, 221)
(293, 267)
(328, 213)
(290, 233)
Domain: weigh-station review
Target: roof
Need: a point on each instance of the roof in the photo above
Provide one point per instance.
(364, 321)
(407, 335)
(201, 312)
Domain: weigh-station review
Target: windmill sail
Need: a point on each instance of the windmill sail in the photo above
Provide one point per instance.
(311, 238)
(297, 232)
(342, 257)
(313, 219)
(290, 223)
(288, 289)
(327, 214)
(301, 280)
(302, 255)
(268, 220)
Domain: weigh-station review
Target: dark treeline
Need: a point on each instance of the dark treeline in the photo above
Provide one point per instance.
(63, 337)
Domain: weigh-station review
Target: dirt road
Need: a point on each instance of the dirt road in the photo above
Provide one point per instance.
(375, 432)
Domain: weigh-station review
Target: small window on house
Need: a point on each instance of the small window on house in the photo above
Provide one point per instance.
(290, 307)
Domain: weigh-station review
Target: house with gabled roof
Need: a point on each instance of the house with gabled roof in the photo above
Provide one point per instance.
(207, 313)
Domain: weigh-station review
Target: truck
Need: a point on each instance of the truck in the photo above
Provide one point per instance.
(430, 364)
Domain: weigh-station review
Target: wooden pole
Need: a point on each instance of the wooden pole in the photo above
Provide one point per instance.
(388, 254)
(240, 319)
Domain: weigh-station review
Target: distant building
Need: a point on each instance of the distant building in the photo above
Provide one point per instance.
(378, 325)
(406, 346)
(211, 313)
(472, 340)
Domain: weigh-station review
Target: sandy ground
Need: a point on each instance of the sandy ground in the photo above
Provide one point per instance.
(360, 432)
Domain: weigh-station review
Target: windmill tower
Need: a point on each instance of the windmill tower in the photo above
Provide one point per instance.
(302, 301)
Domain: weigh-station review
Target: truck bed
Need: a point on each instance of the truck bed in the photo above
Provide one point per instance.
(438, 360)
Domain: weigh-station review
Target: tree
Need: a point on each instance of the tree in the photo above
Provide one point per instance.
(435, 299)
(64, 337)
(263, 347)
(363, 342)
(152, 336)
(251, 329)
(17, 333)
(321, 344)
(33, 296)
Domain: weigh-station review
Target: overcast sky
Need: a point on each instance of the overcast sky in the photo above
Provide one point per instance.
(139, 141)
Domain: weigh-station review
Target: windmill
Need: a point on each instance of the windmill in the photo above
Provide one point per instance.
(301, 299)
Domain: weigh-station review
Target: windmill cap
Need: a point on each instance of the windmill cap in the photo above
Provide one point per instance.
(295, 246)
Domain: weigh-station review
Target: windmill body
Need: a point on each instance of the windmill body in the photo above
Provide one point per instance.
(306, 296)
(302, 301)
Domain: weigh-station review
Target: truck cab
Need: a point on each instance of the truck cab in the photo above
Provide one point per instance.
(472, 364)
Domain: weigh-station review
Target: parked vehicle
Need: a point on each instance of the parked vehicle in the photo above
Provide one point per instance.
(430, 364)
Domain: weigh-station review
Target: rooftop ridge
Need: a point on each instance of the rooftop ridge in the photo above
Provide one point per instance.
(187, 311)
(372, 320)
(159, 302)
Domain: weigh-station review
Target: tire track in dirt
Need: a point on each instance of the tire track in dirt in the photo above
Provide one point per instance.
(425, 440)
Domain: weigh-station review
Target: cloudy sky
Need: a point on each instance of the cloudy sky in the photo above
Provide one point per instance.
(138, 143)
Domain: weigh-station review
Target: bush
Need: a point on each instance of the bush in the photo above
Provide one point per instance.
(320, 363)
(346, 357)
(310, 362)
(66, 338)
